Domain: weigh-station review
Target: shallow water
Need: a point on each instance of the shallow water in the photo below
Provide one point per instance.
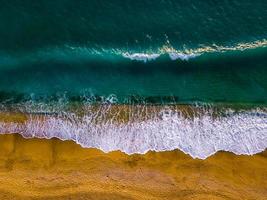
(56, 56)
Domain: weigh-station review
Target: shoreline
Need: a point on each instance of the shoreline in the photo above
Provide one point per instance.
(197, 131)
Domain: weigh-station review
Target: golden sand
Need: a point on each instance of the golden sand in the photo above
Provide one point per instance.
(54, 169)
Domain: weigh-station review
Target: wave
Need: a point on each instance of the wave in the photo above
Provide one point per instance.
(141, 56)
(83, 53)
(149, 57)
(199, 133)
(187, 53)
(200, 74)
(182, 56)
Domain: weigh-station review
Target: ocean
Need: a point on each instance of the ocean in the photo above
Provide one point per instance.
(136, 75)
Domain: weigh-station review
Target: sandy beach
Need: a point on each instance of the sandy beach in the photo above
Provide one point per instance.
(54, 169)
(133, 100)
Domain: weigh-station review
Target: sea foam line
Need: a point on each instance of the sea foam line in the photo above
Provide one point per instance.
(200, 137)
(145, 57)
(84, 53)
(186, 54)
(182, 56)
(141, 56)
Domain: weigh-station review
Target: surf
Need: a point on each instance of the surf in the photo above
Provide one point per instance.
(199, 131)
(213, 76)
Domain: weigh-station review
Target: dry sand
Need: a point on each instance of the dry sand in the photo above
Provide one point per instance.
(54, 169)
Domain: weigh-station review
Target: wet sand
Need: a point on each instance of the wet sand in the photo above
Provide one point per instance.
(54, 169)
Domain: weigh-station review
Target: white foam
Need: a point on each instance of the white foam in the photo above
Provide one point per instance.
(149, 57)
(202, 136)
(141, 56)
(182, 56)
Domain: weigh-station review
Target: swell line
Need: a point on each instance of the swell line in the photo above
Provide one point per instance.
(187, 54)
(85, 53)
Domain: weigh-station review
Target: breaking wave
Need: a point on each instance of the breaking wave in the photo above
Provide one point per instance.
(137, 129)
(187, 53)
(141, 56)
(83, 53)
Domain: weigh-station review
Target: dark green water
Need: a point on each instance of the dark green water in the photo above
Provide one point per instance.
(75, 49)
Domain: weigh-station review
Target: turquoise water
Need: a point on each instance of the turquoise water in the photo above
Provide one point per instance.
(79, 49)
(59, 56)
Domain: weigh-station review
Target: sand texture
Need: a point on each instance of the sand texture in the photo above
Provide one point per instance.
(54, 169)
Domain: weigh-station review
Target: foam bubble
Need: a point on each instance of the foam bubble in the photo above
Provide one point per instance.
(200, 136)
(141, 56)
(182, 56)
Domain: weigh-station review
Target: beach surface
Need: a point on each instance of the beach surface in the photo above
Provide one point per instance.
(55, 169)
